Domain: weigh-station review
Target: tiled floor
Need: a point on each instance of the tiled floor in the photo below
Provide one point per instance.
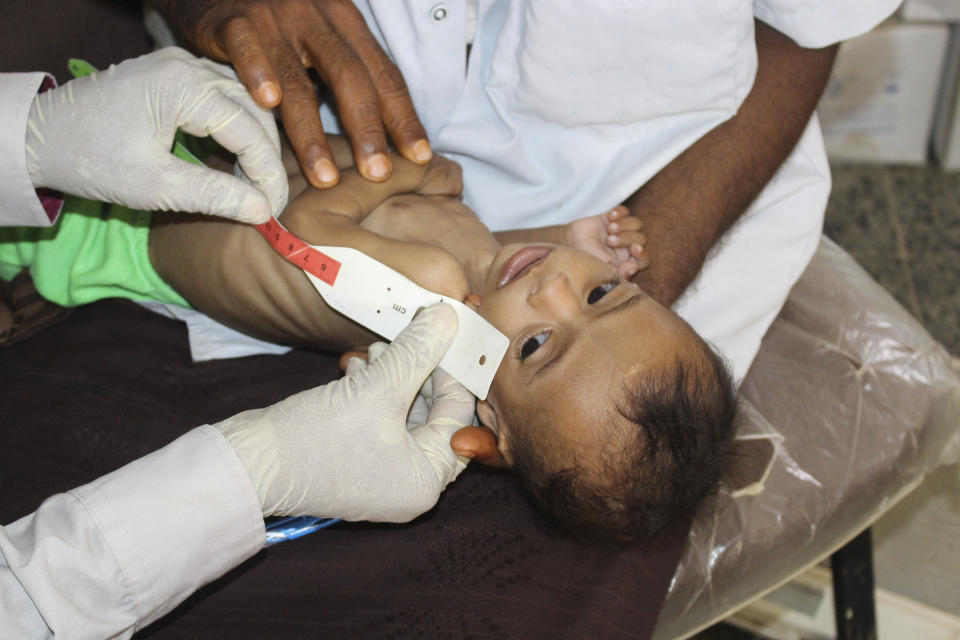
(903, 225)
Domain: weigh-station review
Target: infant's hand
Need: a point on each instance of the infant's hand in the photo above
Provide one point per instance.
(614, 237)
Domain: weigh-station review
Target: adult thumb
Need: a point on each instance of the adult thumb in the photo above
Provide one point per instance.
(416, 352)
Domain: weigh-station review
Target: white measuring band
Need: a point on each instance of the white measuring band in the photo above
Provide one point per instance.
(384, 301)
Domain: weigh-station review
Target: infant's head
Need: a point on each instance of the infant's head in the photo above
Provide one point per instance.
(616, 414)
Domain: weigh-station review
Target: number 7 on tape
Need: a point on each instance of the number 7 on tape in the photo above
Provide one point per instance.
(384, 301)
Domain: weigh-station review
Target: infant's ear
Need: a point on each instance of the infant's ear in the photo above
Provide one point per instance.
(478, 443)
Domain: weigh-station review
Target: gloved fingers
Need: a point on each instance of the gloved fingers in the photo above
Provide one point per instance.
(433, 439)
(218, 67)
(420, 410)
(419, 413)
(182, 186)
(448, 399)
(236, 92)
(246, 129)
(375, 350)
(405, 365)
(355, 364)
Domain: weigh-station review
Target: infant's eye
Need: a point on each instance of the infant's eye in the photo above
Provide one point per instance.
(598, 292)
(532, 344)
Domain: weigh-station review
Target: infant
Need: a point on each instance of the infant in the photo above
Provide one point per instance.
(617, 416)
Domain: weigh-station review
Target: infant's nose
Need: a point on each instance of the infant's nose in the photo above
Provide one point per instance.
(552, 287)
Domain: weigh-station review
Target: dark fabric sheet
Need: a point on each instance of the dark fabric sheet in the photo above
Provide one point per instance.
(41, 35)
(114, 381)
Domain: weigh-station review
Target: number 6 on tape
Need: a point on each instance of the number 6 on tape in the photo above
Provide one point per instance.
(384, 301)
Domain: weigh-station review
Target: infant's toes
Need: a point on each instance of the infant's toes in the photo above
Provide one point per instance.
(634, 237)
(640, 256)
(627, 268)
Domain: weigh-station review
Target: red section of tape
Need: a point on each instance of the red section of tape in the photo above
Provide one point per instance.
(299, 252)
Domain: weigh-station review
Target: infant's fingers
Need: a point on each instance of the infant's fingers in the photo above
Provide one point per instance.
(618, 212)
(625, 224)
(626, 239)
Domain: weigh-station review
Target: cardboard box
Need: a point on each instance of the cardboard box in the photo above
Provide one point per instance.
(946, 126)
(880, 100)
(931, 10)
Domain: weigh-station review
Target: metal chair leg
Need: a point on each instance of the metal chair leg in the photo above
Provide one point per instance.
(853, 589)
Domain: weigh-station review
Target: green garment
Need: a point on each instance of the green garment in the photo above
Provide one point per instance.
(94, 251)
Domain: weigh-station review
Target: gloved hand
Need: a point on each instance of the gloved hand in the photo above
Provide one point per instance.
(344, 450)
(441, 395)
(108, 137)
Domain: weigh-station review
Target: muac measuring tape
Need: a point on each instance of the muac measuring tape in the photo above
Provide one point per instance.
(383, 301)
(376, 297)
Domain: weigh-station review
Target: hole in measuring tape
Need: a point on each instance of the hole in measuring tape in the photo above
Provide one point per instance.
(483, 359)
(388, 288)
(378, 310)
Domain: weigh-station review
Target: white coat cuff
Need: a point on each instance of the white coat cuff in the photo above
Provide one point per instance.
(178, 518)
(19, 204)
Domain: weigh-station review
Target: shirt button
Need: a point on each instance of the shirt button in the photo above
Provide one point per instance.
(438, 13)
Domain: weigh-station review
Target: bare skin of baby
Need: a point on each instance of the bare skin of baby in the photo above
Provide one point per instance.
(413, 223)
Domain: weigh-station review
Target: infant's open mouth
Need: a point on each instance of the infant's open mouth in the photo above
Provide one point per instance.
(521, 262)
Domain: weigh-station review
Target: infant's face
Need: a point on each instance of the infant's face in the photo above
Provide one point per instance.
(577, 334)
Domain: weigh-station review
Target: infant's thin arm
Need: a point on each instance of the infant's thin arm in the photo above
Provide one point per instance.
(228, 271)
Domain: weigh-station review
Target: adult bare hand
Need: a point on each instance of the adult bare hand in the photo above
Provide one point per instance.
(272, 43)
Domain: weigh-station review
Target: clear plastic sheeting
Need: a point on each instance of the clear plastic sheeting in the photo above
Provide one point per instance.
(849, 404)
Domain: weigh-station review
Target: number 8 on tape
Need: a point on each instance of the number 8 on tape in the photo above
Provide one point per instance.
(299, 252)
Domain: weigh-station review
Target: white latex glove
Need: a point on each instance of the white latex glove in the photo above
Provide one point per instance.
(344, 450)
(440, 395)
(108, 137)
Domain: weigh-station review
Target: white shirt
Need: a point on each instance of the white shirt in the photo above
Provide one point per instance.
(110, 557)
(565, 108)
(18, 198)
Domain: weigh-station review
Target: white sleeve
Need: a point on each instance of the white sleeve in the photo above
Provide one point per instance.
(820, 23)
(108, 558)
(19, 204)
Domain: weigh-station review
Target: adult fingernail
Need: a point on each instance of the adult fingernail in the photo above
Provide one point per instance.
(422, 151)
(269, 94)
(377, 166)
(325, 171)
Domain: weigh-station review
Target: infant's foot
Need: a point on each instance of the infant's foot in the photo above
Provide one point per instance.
(613, 237)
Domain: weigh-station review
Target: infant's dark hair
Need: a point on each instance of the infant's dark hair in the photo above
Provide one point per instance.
(685, 418)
